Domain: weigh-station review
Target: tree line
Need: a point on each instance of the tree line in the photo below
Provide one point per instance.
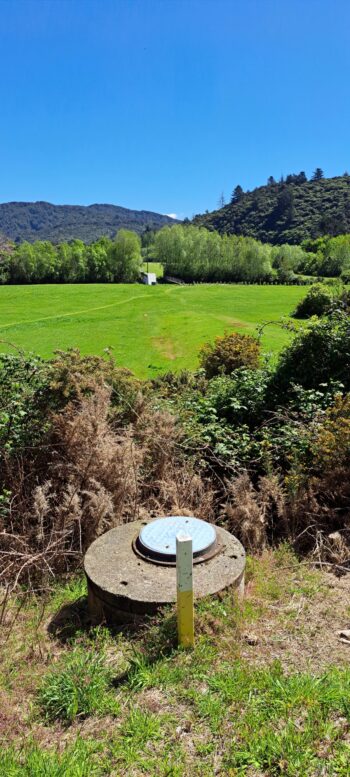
(189, 252)
(197, 254)
(297, 178)
(105, 261)
(328, 257)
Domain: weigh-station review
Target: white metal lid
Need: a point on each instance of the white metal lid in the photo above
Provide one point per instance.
(158, 538)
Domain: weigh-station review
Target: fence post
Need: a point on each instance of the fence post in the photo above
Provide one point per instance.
(184, 589)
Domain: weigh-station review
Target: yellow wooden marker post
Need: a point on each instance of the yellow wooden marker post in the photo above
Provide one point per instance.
(184, 586)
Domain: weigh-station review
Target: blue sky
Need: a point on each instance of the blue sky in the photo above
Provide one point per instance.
(164, 104)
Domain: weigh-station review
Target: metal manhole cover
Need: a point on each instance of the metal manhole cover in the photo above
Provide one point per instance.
(158, 538)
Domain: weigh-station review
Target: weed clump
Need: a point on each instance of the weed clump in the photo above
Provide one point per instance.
(81, 759)
(79, 686)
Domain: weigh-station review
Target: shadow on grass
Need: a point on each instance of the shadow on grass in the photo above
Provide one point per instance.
(70, 620)
(155, 636)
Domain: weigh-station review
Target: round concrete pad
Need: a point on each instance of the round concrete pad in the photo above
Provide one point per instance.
(122, 581)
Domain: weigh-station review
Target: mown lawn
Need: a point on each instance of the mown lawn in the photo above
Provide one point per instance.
(150, 329)
(264, 693)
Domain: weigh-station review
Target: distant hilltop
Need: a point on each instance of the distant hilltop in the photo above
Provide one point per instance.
(32, 221)
(286, 211)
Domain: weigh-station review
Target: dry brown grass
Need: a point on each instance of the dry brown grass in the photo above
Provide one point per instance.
(92, 474)
(252, 512)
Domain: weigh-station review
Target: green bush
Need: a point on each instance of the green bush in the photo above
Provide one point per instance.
(228, 353)
(316, 302)
(345, 276)
(317, 355)
(24, 401)
(78, 686)
(238, 398)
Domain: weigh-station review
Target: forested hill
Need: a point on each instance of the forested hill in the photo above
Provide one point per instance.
(42, 221)
(286, 212)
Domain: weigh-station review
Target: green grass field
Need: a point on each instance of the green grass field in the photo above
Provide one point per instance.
(151, 329)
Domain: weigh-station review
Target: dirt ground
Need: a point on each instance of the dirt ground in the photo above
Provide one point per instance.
(302, 632)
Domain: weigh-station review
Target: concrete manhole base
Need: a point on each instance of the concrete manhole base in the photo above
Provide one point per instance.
(124, 587)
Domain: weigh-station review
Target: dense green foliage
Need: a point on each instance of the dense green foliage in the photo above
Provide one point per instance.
(262, 419)
(286, 212)
(316, 302)
(316, 355)
(195, 254)
(287, 261)
(24, 401)
(327, 256)
(60, 223)
(106, 261)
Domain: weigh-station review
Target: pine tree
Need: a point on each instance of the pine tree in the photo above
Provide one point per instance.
(237, 193)
(318, 174)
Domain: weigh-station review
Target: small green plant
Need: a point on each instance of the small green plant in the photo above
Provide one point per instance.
(144, 745)
(137, 731)
(228, 353)
(140, 727)
(78, 686)
(77, 760)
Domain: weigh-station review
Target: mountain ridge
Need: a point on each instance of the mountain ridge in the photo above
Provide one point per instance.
(288, 211)
(43, 220)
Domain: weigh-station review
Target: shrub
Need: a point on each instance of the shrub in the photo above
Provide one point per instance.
(316, 302)
(332, 443)
(345, 276)
(319, 512)
(228, 353)
(316, 356)
(74, 376)
(78, 686)
(238, 398)
(24, 401)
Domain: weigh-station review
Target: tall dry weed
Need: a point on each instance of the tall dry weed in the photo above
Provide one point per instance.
(254, 514)
(93, 475)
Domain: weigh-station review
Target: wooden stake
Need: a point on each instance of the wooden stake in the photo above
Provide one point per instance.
(184, 585)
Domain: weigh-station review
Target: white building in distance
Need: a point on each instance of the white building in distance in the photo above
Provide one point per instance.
(149, 278)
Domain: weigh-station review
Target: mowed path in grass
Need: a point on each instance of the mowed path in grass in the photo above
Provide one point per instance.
(151, 329)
